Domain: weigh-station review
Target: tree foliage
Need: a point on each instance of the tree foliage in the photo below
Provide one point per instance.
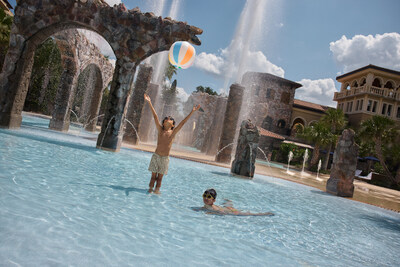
(45, 78)
(207, 90)
(377, 136)
(5, 30)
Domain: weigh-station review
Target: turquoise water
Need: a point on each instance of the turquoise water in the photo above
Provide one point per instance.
(66, 203)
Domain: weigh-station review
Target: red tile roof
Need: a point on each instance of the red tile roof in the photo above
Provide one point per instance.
(270, 134)
(310, 105)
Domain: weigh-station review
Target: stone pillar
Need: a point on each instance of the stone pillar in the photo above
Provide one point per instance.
(14, 80)
(344, 165)
(233, 107)
(215, 132)
(110, 137)
(246, 150)
(136, 104)
(146, 120)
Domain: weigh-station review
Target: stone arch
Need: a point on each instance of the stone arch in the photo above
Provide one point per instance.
(377, 82)
(346, 86)
(363, 81)
(389, 84)
(311, 123)
(135, 37)
(267, 123)
(299, 120)
(354, 84)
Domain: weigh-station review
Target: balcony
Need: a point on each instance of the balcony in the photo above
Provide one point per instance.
(366, 89)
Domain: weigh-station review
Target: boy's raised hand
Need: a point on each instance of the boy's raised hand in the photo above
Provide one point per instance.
(195, 108)
(147, 98)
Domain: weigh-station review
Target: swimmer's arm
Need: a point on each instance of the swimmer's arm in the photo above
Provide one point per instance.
(180, 125)
(156, 119)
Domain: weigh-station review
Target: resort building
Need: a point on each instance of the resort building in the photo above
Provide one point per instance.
(369, 91)
(6, 6)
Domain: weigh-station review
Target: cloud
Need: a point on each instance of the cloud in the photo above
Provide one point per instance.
(317, 91)
(113, 2)
(382, 50)
(228, 62)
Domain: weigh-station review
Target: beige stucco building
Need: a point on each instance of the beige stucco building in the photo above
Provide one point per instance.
(369, 91)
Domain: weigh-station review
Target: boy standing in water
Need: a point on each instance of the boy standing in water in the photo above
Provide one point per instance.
(166, 134)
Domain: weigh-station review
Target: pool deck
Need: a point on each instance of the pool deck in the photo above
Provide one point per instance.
(363, 192)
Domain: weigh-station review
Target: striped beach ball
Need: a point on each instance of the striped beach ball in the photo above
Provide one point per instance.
(181, 55)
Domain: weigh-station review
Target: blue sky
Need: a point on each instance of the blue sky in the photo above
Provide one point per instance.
(307, 41)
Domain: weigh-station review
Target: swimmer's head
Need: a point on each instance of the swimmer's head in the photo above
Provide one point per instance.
(168, 123)
(209, 196)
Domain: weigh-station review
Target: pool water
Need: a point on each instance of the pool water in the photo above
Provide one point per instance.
(66, 203)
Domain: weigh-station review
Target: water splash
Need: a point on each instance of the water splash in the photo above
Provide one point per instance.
(265, 156)
(319, 167)
(303, 173)
(133, 127)
(108, 125)
(290, 157)
(219, 151)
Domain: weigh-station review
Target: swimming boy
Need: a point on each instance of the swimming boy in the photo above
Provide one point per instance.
(209, 197)
(166, 134)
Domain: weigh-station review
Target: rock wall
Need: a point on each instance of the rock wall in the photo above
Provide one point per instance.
(344, 165)
(246, 150)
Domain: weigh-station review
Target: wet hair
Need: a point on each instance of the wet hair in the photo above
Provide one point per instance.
(212, 192)
(168, 118)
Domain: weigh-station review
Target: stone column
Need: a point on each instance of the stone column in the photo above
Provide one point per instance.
(246, 150)
(344, 165)
(146, 120)
(215, 133)
(136, 104)
(14, 80)
(233, 107)
(110, 137)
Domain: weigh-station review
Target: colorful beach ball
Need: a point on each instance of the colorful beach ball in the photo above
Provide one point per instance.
(181, 55)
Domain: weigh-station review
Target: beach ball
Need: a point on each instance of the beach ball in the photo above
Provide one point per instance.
(182, 54)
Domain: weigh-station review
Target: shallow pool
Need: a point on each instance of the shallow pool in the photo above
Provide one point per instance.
(66, 203)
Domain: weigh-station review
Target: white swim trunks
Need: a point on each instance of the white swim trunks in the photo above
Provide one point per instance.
(159, 164)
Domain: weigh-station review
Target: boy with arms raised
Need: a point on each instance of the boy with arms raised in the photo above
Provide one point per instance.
(166, 134)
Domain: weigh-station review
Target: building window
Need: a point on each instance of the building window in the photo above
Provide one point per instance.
(361, 104)
(398, 113)
(351, 106)
(257, 89)
(377, 83)
(389, 110)
(285, 98)
(384, 109)
(347, 107)
(270, 93)
(281, 124)
(374, 107)
(357, 104)
(267, 123)
(369, 107)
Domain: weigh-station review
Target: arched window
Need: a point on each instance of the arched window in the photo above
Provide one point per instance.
(281, 124)
(377, 83)
(389, 85)
(267, 123)
(347, 86)
(355, 84)
(363, 82)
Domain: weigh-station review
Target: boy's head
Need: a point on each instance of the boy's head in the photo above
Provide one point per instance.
(168, 123)
(209, 196)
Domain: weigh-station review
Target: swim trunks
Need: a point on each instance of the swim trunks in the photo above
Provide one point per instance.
(159, 164)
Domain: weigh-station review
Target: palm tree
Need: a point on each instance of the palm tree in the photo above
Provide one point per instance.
(319, 135)
(334, 119)
(378, 131)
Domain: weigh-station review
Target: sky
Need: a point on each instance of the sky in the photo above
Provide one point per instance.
(307, 41)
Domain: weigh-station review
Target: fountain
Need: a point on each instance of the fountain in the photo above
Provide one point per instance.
(290, 157)
(247, 144)
(134, 129)
(265, 156)
(303, 173)
(319, 167)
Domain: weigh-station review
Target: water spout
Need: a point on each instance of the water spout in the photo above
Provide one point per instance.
(319, 167)
(137, 135)
(290, 157)
(304, 163)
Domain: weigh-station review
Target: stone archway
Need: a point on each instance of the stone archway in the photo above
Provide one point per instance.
(132, 35)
